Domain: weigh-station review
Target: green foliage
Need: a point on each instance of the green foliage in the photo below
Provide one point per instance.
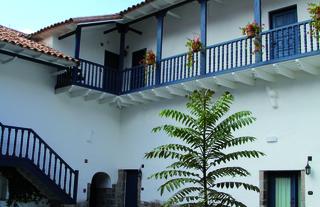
(194, 45)
(207, 139)
(314, 10)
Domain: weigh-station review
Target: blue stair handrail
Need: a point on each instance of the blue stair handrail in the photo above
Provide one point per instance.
(26, 144)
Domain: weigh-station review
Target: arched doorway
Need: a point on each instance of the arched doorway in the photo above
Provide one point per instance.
(100, 190)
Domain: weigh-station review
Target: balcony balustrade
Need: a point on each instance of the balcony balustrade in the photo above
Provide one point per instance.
(273, 46)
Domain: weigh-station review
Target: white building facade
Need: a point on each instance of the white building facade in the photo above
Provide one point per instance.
(98, 116)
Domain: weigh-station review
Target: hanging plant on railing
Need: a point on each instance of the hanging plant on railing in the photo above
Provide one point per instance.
(148, 61)
(314, 10)
(253, 30)
(194, 45)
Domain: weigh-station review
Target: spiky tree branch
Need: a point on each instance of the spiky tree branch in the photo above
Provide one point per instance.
(194, 176)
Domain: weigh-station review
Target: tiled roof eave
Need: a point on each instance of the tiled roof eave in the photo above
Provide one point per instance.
(14, 50)
(17, 39)
(76, 21)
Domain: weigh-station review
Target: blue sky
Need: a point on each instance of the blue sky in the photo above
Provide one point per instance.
(31, 15)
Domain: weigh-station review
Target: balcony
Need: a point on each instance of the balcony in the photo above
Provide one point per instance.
(284, 50)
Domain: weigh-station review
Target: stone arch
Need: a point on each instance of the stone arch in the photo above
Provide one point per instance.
(100, 190)
(101, 180)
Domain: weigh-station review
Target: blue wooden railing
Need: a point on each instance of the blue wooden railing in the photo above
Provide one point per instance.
(137, 77)
(176, 68)
(280, 44)
(91, 75)
(26, 144)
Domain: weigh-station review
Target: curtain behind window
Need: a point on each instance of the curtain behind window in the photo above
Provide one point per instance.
(283, 192)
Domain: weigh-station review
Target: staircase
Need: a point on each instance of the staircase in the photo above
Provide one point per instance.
(23, 149)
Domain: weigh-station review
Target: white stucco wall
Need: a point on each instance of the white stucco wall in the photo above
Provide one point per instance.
(294, 123)
(94, 43)
(111, 139)
(137, 42)
(76, 129)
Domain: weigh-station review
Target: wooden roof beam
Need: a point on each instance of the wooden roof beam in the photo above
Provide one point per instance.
(244, 79)
(284, 71)
(263, 75)
(307, 67)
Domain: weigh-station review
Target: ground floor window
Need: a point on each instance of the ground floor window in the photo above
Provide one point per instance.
(282, 189)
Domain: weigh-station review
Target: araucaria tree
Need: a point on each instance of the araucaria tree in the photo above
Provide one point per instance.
(196, 176)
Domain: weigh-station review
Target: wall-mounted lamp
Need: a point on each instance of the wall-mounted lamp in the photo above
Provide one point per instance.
(308, 167)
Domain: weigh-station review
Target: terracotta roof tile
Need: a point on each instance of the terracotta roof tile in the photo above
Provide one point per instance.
(79, 20)
(129, 9)
(20, 39)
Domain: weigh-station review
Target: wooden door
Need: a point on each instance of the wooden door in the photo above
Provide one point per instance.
(138, 73)
(284, 42)
(111, 68)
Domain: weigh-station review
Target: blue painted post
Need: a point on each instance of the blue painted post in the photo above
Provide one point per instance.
(122, 49)
(203, 27)
(258, 20)
(122, 30)
(160, 23)
(76, 53)
(78, 43)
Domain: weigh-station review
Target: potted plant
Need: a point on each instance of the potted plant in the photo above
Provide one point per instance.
(314, 10)
(194, 45)
(149, 58)
(251, 30)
